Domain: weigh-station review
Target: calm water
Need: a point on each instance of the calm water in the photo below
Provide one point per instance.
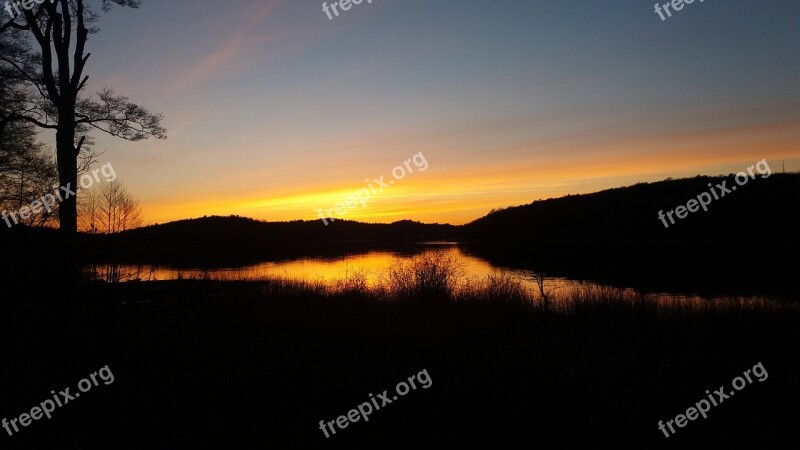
(373, 265)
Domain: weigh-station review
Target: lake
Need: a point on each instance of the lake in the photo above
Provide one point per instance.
(373, 265)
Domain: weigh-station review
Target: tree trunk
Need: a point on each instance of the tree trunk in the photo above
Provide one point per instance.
(68, 207)
(67, 176)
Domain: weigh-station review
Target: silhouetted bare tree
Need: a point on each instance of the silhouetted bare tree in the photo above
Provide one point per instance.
(27, 172)
(24, 177)
(541, 279)
(54, 72)
(109, 208)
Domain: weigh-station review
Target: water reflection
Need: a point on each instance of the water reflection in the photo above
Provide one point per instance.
(374, 265)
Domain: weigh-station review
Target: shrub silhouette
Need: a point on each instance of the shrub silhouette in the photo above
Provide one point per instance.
(432, 275)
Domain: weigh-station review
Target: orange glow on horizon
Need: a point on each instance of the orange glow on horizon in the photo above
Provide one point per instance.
(447, 193)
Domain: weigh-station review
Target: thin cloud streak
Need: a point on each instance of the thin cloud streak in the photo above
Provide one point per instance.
(233, 50)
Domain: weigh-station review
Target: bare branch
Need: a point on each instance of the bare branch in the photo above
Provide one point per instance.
(117, 116)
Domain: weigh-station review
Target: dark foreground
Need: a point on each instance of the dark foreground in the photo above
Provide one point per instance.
(230, 365)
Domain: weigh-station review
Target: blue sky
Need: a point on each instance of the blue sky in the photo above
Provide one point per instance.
(275, 111)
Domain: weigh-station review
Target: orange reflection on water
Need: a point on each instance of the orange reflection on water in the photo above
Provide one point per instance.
(374, 265)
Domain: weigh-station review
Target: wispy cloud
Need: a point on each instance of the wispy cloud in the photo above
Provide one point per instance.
(230, 54)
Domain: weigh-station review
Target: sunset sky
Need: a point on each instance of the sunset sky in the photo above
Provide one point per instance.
(275, 111)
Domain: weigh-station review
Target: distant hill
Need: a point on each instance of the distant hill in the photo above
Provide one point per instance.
(761, 212)
(238, 240)
(745, 244)
(763, 207)
(224, 230)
